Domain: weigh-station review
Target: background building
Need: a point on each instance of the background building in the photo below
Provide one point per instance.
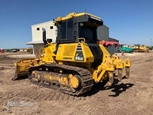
(37, 42)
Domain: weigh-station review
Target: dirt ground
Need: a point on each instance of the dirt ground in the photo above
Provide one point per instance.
(133, 96)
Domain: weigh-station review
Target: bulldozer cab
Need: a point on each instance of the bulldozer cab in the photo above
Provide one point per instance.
(74, 26)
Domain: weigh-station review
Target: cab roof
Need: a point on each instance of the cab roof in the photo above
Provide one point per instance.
(73, 14)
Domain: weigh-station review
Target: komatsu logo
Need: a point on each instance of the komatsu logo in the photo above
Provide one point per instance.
(67, 58)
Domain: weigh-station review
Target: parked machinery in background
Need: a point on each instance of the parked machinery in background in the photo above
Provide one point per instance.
(1, 51)
(126, 49)
(140, 48)
(111, 46)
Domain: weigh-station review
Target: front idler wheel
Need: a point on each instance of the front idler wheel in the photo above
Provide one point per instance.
(35, 76)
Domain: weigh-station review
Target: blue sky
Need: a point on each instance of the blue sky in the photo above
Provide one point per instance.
(130, 21)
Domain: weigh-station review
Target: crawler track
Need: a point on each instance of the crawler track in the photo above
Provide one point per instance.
(85, 78)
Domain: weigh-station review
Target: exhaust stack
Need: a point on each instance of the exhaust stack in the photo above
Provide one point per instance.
(44, 36)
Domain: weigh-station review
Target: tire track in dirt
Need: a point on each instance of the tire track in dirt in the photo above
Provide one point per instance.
(38, 95)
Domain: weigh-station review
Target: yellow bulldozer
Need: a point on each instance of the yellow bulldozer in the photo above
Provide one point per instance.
(76, 61)
(140, 48)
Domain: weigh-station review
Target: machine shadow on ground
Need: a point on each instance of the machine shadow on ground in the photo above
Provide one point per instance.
(117, 88)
